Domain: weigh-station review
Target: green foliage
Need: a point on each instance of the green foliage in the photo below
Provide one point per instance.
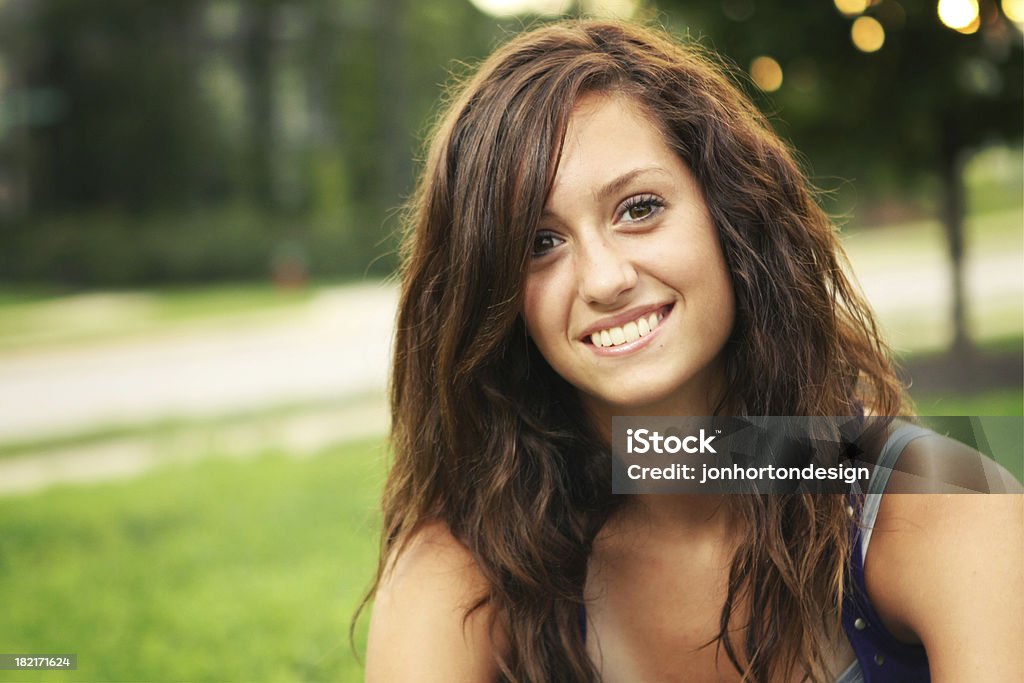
(132, 129)
(996, 402)
(224, 570)
(232, 242)
(147, 142)
(144, 141)
(888, 119)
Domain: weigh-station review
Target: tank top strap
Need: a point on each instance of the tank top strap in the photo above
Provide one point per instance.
(881, 657)
(902, 435)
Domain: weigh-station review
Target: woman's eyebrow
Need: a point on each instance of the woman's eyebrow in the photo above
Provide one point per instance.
(616, 185)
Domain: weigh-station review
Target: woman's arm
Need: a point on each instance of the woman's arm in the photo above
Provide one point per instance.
(418, 631)
(948, 570)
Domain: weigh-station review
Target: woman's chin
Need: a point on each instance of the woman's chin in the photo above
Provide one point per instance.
(640, 403)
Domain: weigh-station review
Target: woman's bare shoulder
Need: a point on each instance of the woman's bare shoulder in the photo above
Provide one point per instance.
(947, 570)
(420, 630)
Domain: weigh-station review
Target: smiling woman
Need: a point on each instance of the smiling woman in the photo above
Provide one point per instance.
(606, 226)
(639, 254)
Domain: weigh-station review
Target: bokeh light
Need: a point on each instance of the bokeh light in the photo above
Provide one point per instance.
(510, 8)
(971, 27)
(766, 73)
(1014, 10)
(958, 14)
(867, 34)
(610, 9)
(851, 7)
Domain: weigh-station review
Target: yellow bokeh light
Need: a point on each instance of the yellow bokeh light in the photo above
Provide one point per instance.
(767, 73)
(958, 14)
(1014, 10)
(867, 34)
(510, 8)
(971, 27)
(851, 7)
(610, 9)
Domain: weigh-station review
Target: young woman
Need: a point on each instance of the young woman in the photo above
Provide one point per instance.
(606, 226)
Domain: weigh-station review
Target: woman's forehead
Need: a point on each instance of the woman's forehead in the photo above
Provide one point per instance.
(609, 142)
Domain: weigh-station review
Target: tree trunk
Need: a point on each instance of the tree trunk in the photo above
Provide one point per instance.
(258, 68)
(393, 102)
(953, 212)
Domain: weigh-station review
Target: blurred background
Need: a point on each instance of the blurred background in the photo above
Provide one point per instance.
(199, 210)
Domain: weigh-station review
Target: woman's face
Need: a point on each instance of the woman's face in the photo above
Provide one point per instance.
(628, 296)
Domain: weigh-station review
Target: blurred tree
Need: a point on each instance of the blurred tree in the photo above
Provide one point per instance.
(905, 108)
(190, 139)
(132, 128)
(258, 65)
(146, 140)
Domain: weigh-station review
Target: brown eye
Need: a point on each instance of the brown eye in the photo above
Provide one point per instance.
(639, 211)
(543, 242)
(641, 208)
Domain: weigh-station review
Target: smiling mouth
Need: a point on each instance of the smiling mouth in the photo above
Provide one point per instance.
(630, 332)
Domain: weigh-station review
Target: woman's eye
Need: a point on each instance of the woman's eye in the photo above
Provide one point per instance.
(638, 212)
(640, 208)
(543, 242)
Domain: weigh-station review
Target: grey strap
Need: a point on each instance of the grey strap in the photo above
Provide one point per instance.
(891, 451)
(853, 674)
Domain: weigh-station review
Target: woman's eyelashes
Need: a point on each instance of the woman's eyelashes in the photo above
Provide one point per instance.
(640, 208)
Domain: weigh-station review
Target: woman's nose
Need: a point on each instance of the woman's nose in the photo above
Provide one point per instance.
(604, 272)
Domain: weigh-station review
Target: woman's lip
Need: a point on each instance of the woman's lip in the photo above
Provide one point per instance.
(629, 347)
(629, 316)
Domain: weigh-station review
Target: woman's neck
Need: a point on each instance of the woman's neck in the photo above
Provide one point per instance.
(692, 515)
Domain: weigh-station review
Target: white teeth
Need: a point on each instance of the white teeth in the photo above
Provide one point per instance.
(630, 332)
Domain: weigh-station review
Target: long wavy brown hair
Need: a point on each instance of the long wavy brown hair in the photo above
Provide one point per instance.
(489, 440)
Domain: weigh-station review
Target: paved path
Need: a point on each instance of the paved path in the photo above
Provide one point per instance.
(299, 435)
(912, 296)
(336, 346)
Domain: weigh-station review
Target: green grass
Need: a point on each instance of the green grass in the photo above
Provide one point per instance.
(35, 318)
(997, 402)
(191, 302)
(168, 429)
(994, 178)
(223, 570)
